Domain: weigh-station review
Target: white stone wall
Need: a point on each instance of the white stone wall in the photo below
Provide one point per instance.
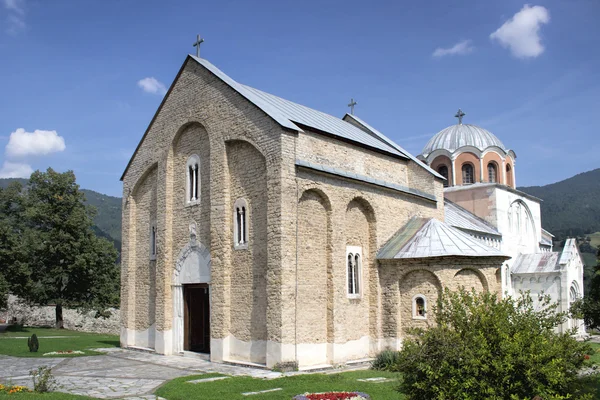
(73, 319)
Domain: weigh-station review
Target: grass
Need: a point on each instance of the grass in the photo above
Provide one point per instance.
(594, 239)
(232, 388)
(13, 342)
(595, 356)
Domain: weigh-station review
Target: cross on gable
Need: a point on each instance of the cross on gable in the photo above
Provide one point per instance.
(199, 41)
(351, 105)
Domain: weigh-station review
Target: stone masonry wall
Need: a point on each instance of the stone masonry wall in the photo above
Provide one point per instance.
(73, 319)
(401, 280)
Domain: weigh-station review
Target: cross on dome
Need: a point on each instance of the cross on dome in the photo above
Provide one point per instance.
(351, 105)
(460, 116)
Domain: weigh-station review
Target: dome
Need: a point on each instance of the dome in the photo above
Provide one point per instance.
(459, 135)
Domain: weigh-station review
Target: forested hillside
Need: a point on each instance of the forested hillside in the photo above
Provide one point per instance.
(107, 222)
(570, 207)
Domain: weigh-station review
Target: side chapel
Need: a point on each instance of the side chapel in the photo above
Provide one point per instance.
(257, 230)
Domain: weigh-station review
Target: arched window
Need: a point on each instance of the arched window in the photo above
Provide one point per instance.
(467, 174)
(419, 307)
(492, 173)
(240, 224)
(509, 175)
(193, 179)
(443, 171)
(353, 268)
(153, 242)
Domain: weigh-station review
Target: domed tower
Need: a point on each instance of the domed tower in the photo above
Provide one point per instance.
(465, 154)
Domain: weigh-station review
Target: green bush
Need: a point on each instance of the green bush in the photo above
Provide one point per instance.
(386, 360)
(43, 380)
(33, 343)
(486, 348)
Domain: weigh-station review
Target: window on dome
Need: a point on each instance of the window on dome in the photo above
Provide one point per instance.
(443, 171)
(467, 174)
(508, 175)
(492, 173)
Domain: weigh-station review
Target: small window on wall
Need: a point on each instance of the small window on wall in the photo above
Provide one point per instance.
(353, 270)
(419, 307)
(153, 242)
(240, 224)
(193, 179)
(492, 173)
(443, 171)
(467, 174)
(508, 175)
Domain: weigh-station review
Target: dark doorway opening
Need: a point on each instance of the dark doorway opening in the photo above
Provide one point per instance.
(196, 331)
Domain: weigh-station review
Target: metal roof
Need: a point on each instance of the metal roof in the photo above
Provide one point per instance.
(363, 178)
(428, 237)
(459, 135)
(321, 121)
(460, 218)
(536, 263)
(288, 114)
(391, 143)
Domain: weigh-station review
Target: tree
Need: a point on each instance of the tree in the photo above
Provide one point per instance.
(486, 348)
(14, 273)
(69, 265)
(589, 306)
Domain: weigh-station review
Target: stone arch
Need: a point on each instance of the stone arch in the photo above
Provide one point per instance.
(522, 226)
(314, 321)
(360, 231)
(443, 161)
(142, 203)
(193, 265)
(470, 279)
(418, 282)
(246, 178)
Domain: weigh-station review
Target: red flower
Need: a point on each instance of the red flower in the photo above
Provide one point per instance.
(586, 357)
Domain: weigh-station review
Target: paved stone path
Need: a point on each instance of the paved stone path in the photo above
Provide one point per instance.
(119, 373)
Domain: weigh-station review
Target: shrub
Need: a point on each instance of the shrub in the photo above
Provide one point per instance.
(43, 380)
(287, 366)
(386, 360)
(485, 348)
(33, 343)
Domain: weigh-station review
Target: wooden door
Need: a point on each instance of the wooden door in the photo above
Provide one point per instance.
(197, 318)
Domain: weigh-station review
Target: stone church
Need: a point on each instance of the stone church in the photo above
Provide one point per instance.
(257, 230)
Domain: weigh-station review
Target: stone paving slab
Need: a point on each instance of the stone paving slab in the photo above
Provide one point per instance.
(20, 366)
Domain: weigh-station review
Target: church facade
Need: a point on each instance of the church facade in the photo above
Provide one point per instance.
(257, 230)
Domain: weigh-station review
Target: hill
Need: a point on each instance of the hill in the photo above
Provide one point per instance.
(570, 207)
(107, 222)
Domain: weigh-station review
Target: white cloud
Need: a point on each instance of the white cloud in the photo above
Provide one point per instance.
(463, 47)
(17, 6)
(152, 85)
(521, 33)
(16, 16)
(38, 142)
(15, 170)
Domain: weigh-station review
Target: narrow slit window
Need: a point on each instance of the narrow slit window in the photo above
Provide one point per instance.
(240, 230)
(193, 179)
(153, 242)
(420, 307)
(353, 270)
(492, 173)
(467, 174)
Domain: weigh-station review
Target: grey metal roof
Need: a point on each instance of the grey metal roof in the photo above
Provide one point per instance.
(391, 143)
(428, 237)
(288, 114)
(321, 121)
(458, 217)
(536, 263)
(545, 241)
(568, 251)
(459, 135)
(363, 178)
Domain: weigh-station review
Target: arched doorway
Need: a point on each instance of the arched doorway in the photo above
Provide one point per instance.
(191, 298)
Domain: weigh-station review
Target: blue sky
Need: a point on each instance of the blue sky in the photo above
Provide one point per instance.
(71, 70)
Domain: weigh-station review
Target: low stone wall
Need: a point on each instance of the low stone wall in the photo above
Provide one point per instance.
(73, 319)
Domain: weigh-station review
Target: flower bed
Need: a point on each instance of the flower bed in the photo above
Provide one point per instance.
(10, 389)
(333, 396)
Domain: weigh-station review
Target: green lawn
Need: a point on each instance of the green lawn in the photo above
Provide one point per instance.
(232, 388)
(595, 356)
(13, 342)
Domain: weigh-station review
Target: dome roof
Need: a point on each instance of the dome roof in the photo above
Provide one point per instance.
(459, 135)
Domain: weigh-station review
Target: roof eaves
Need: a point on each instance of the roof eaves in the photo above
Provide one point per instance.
(390, 142)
